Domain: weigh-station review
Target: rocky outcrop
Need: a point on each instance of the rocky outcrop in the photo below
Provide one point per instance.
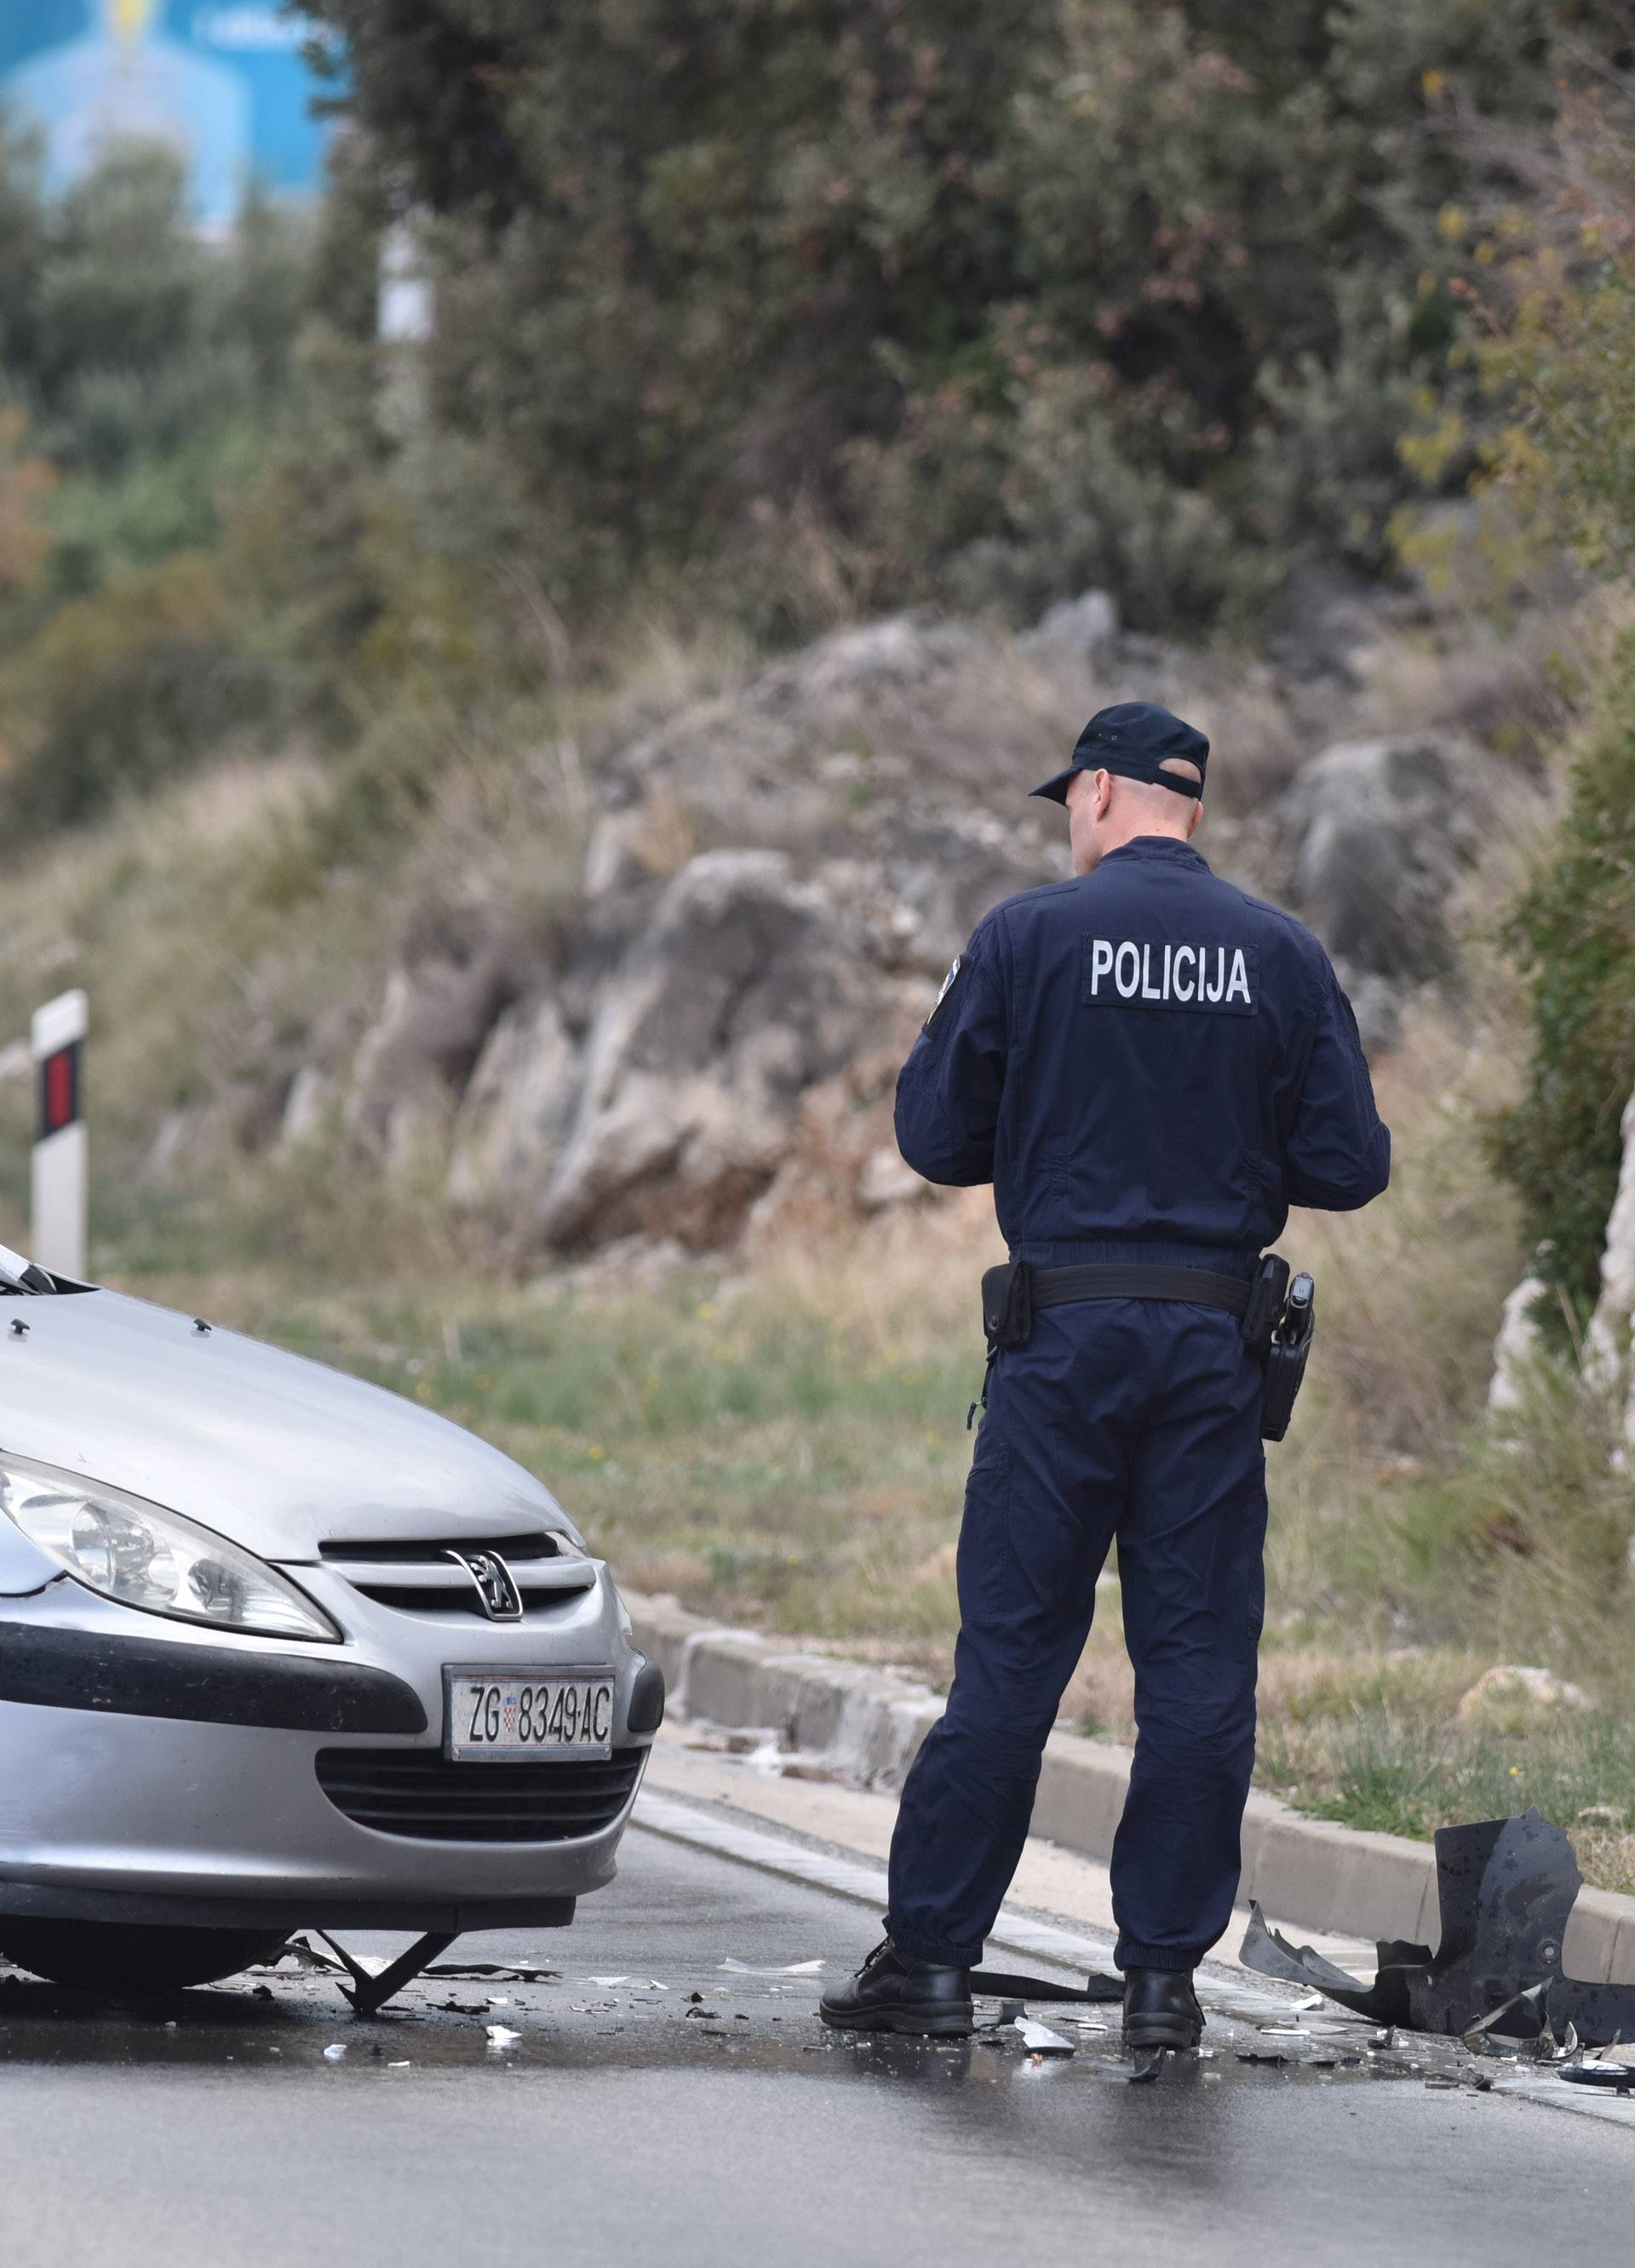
(699, 1042)
(1514, 1697)
(514, 1116)
(747, 988)
(414, 1061)
(1607, 1342)
(1380, 838)
(1515, 1349)
(1085, 629)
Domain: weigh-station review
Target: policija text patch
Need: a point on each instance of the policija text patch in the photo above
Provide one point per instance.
(1120, 973)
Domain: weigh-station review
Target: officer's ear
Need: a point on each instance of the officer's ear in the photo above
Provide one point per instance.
(1194, 816)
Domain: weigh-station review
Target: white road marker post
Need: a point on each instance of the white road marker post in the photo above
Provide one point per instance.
(58, 1166)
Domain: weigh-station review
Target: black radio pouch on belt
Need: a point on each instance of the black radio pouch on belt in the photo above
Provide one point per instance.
(1007, 1306)
(1287, 1358)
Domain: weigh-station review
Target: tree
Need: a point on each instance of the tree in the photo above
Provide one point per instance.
(1003, 298)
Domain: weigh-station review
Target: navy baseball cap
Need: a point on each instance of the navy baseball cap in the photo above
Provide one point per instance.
(1132, 738)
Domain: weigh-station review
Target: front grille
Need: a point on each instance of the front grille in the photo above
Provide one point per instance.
(416, 1792)
(418, 1577)
(460, 1598)
(419, 1553)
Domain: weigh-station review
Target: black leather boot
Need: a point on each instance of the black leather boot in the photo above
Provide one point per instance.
(1161, 2009)
(894, 1992)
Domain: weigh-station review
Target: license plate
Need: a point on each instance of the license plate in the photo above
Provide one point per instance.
(500, 1716)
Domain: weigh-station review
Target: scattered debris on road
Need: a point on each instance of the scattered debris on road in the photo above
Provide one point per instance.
(1040, 2040)
(1507, 1888)
(789, 1968)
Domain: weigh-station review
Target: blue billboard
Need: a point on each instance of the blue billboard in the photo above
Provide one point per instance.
(224, 82)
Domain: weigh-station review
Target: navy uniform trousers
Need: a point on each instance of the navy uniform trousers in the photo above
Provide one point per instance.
(1133, 1420)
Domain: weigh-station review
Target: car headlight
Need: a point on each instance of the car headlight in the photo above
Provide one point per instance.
(131, 1551)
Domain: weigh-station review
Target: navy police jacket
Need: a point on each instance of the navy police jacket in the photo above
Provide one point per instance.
(1144, 1056)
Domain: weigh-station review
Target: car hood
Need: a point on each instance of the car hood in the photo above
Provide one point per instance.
(272, 1451)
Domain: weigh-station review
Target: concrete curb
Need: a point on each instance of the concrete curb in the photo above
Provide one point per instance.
(869, 1723)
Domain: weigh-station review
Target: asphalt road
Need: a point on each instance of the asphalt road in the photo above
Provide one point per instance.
(627, 2124)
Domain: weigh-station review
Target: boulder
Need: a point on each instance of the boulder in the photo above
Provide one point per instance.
(514, 1115)
(1085, 629)
(1607, 1341)
(1511, 1696)
(898, 650)
(1380, 839)
(942, 874)
(746, 987)
(886, 1180)
(1515, 1348)
(440, 1003)
(1325, 621)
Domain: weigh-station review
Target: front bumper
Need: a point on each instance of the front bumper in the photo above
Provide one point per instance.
(175, 1780)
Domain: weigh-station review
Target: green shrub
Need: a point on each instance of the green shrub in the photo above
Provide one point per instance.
(142, 366)
(1561, 317)
(1574, 932)
(118, 689)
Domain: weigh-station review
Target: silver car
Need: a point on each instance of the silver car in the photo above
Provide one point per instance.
(279, 1648)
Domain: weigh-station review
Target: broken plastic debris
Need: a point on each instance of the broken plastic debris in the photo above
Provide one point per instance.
(1612, 2067)
(1039, 2039)
(1618, 2077)
(789, 1969)
(501, 2035)
(1506, 1889)
(501, 1972)
(328, 1957)
(334, 2052)
(1619, 2051)
(1003, 1984)
(305, 1954)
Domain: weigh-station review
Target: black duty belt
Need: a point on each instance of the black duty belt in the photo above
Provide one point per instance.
(1275, 1317)
(1014, 1293)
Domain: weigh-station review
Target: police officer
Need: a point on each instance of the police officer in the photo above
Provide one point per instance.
(1151, 1067)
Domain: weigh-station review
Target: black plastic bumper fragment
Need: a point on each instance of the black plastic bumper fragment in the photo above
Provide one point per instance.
(200, 1684)
(1507, 1889)
(646, 1711)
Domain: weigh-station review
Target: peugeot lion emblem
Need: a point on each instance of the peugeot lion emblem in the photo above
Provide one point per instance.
(497, 1587)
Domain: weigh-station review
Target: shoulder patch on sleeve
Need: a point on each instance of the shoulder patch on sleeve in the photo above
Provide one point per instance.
(948, 983)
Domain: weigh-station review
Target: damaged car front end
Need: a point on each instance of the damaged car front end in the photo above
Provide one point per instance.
(281, 1649)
